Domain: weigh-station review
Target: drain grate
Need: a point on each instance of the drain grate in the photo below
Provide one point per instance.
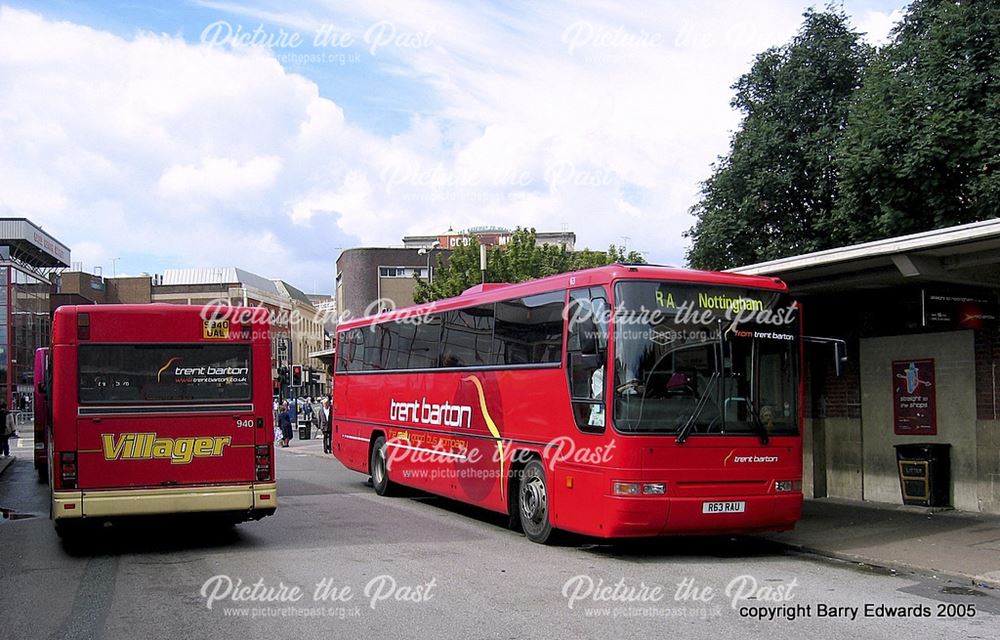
(10, 514)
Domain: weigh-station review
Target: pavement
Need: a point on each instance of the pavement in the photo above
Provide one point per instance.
(951, 544)
(956, 545)
(6, 462)
(16, 445)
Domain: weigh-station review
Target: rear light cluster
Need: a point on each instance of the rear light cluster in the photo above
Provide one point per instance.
(83, 326)
(788, 485)
(67, 469)
(263, 458)
(639, 488)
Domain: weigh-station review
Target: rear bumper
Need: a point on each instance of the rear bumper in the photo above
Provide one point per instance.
(259, 499)
(648, 516)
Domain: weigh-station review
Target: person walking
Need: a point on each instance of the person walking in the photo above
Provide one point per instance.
(326, 424)
(307, 415)
(285, 424)
(7, 427)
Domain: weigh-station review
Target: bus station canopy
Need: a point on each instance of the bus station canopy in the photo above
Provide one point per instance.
(968, 255)
(22, 240)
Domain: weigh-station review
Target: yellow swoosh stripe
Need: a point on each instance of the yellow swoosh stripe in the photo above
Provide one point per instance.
(491, 426)
(169, 362)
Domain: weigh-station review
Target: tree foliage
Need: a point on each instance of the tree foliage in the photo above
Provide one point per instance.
(840, 144)
(519, 260)
(770, 196)
(922, 149)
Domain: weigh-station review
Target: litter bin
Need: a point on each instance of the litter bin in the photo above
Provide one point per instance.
(305, 430)
(925, 473)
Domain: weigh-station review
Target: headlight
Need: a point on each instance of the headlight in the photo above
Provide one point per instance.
(788, 485)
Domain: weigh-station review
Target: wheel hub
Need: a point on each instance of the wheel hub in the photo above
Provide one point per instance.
(533, 500)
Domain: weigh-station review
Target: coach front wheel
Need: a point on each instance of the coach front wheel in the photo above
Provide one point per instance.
(533, 503)
(378, 466)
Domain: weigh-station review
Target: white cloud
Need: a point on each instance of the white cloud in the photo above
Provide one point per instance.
(195, 155)
(91, 254)
(876, 25)
(175, 153)
(220, 178)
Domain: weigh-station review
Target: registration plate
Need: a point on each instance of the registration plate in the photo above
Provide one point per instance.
(723, 507)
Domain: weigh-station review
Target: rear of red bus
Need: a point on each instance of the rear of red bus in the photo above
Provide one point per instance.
(41, 408)
(158, 410)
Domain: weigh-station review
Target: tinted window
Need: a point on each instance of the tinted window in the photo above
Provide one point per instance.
(410, 344)
(354, 349)
(342, 363)
(130, 373)
(588, 313)
(468, 337)
(390, 344)
(529, 330)
(378, 341)
(425, 341)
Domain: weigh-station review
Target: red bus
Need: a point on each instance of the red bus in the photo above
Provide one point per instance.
(40, 403)
(499, 398)
(156, 410)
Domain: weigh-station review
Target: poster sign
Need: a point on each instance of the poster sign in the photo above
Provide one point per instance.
(958, 311)
(914, 409)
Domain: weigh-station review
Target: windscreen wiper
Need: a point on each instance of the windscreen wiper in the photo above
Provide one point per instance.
(685, 431)
(756, 422)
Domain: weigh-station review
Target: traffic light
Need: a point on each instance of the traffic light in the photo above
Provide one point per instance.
(296, 375)
(283, 376)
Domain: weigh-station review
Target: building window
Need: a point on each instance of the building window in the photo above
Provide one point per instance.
(402, 272)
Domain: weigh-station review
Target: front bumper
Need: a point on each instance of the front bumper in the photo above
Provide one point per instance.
(648, 516)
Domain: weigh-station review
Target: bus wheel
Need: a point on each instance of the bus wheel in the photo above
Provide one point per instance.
(533, 503)
(378, 466)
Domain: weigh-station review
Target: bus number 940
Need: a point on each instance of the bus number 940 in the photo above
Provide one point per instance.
(244, 423)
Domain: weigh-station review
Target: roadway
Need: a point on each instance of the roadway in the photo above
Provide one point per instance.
(421, 567)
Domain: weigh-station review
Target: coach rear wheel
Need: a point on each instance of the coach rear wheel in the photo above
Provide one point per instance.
(379, 468)
(533, 503)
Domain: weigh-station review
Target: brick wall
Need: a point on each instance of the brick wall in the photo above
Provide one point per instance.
(828, 395)
(137, 290)
(988, 373)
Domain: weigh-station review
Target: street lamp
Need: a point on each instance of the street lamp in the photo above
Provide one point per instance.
(427, 251)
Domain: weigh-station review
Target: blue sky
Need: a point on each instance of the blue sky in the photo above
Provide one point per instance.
(147, 136)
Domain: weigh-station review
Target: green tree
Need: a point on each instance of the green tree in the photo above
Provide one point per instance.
(922, 149)
(519, 260)
(772, 195)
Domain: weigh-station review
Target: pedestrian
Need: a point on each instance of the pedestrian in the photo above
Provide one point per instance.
(326, 424)
(285, 424)
(7, 424)
(308, 417)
